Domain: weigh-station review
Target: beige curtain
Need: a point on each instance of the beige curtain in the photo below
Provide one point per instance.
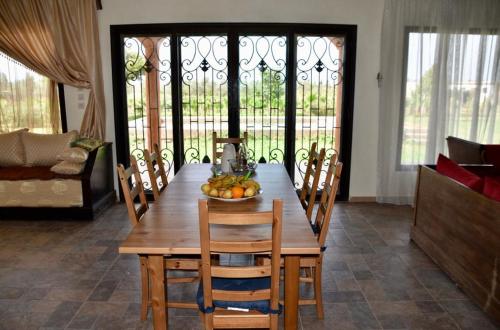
(58, 39)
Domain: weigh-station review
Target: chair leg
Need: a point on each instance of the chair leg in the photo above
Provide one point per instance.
(317, 290)
(202, 317)
(144, 287)
(274, 322)
(209, 321)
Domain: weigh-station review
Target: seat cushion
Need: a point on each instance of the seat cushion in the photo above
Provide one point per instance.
(43, 149)
(452, 170)
(237, 284)
(11, 149)
(492, 188)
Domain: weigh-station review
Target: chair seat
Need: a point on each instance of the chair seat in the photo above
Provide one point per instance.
(236, 284)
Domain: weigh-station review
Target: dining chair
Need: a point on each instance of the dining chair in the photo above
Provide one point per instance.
(152, 160)
(130, 192)
(312, 266)
(307, 194)
(320, 228)
(240, 296)
(217, 140)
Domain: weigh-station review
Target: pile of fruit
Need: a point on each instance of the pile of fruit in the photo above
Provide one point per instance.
(230, 187)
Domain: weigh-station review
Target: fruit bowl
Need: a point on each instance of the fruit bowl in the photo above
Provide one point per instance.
(229, 187)
(236, 199)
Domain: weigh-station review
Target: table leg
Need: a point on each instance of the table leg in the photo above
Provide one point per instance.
(292, 269)
(158, 292)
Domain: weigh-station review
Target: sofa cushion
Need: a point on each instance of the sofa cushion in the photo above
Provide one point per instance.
(66, 167)
(11, 149)
(42, 149)
(75, 155)
(492, 154)
(492, 188)
(87, 143)
(464, 151)
(15, 173)
(452, 170)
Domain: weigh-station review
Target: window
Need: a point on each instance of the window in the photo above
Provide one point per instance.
(286, 85)
(25, 98)
(451, 88)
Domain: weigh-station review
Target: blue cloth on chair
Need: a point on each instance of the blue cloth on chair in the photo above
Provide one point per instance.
(237, 284)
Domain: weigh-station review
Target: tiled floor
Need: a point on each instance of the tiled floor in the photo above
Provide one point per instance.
(60, 274)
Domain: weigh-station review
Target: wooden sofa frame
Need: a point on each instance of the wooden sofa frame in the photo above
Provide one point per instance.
(97, 192)
(459, 229)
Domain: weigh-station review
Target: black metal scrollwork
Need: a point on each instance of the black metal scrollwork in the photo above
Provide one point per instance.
(204, 94)
(148, 56)
(262, 80)
(319, 74)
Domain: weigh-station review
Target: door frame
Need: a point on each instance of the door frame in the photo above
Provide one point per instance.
(233, 30)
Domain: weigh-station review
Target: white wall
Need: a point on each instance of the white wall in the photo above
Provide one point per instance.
(366, 14)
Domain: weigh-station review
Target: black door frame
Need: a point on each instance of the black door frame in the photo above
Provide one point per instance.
(233, 30)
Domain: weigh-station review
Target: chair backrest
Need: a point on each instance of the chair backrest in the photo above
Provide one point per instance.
(132, 190)
(153, 159)
(270, 246)
(216, 141)
(325, 207)
(313, 170)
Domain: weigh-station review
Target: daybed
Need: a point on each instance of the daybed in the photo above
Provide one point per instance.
(29, 189)
(459, 228)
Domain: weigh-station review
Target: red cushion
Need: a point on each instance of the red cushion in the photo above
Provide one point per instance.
(492, 188)
(451, 169)
(492, 154)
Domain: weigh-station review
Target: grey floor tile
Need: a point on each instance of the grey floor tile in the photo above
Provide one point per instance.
(56, 275)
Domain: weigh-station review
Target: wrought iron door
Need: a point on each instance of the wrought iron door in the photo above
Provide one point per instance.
(287, 86)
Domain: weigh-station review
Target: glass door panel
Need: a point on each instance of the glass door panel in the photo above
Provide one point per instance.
(149, 99)
(262, 83)
(318, 98)
(204, 74)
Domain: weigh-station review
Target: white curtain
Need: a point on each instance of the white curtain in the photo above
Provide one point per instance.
(440, 66)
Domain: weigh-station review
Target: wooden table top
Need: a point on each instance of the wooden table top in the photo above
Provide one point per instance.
(170, 226)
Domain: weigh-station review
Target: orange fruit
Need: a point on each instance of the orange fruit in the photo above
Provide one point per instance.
(237, 192)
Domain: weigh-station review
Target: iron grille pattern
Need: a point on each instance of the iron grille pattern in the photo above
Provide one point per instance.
(149, 99)
(204, 94)
(318, 99)
(282, 83)
(262, 83)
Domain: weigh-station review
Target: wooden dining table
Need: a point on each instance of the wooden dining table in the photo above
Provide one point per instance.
(170, 227)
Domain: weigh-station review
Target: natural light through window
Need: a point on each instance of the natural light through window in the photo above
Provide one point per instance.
(24, 98)
(450, 90)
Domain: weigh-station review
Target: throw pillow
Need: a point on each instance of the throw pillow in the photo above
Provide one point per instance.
(11, 149)
(87, 143)
(492, 188)
(68, 168)
(492, 154)
(42, 149)
(452, 170)
(75, 155)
